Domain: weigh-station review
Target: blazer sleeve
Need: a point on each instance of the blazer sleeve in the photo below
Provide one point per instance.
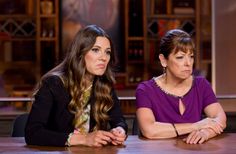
(116, 115)
(43, 125)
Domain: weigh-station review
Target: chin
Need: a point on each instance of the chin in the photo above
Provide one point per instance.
(186, 77)
(99, 73)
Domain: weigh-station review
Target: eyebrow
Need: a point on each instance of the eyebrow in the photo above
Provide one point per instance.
(98, 46)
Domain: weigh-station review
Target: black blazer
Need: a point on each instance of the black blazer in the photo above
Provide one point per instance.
(50, 121)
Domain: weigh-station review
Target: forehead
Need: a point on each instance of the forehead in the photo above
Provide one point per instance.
(102, 40)
(183, 52)
(186, 47)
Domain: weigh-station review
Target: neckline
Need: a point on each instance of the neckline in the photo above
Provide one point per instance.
(170, 94)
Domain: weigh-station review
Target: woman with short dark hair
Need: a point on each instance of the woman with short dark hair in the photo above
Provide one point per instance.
(173, 103)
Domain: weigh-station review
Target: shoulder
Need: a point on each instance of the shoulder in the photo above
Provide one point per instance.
(201, 83)
(53, 81)
(200, 80)
(53, 86)
(146, 85)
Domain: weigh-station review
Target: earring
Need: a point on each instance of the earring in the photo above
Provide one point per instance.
(164, 70)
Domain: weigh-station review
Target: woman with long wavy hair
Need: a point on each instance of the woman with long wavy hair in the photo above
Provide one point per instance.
(75, 102)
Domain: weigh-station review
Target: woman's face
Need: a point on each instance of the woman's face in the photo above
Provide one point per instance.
(97, 58)
(180, 64)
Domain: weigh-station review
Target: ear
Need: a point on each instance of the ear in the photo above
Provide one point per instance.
(163, 60)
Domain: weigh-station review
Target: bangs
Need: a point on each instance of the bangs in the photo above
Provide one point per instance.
(185, 45)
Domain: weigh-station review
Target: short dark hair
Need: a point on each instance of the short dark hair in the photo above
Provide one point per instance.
(175, 40)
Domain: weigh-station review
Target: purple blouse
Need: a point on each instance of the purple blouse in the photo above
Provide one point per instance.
(165, 107)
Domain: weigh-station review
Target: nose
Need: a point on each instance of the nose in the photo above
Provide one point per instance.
(103, 56)
(188, 61)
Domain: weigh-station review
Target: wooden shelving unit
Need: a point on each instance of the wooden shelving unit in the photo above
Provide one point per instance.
(17, 45)
(166, 15)
(136, 69)
(205, 39)
(146, 21)
(47, 35)
(29, 42)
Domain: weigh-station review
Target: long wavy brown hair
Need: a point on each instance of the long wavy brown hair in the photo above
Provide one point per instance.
(72, 72)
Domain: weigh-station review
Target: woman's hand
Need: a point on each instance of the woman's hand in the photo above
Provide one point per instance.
(197, 137)
(93, 139)
(209, 123)
(99, 138)
(119, 134)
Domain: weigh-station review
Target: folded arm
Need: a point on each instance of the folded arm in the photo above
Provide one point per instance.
(156, 130)
(212, 125)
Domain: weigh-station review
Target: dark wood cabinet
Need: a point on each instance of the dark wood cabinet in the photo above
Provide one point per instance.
(29, 34)
(146, 21)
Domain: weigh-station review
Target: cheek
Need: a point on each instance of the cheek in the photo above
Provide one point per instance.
(175, 64)
(89, 58)
(108, 59)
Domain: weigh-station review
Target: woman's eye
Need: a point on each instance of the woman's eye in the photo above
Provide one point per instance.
(179, 57)
(192, 56)
(95, 49)
(108, 52)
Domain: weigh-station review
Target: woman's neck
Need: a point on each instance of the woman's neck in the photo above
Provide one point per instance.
(178, 87)
(172, 81)
(88, 80)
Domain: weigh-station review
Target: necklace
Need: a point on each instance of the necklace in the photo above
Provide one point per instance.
(88, 88)
(86, 95)
(181, 105)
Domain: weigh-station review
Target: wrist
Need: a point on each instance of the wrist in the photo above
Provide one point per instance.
(195, 127)
(80, 139)
(206, 133)
(68, 141)
(76, 139)
(176, 132)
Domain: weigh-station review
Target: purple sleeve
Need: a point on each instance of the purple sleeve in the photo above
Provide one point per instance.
(209, 96)
(142, 99)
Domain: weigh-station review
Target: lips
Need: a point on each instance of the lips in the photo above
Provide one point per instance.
(187, 71)
(101, 66)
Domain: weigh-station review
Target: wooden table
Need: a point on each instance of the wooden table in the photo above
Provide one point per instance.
(223, 144)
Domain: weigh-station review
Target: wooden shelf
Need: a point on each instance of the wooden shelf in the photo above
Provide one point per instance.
(47, 44)
(135, 38)
(20, 39)
(21, 43)
(49, 39)
(48, 16)
(154, 27)
(135, 62)
(172, 16)
(22, 16)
